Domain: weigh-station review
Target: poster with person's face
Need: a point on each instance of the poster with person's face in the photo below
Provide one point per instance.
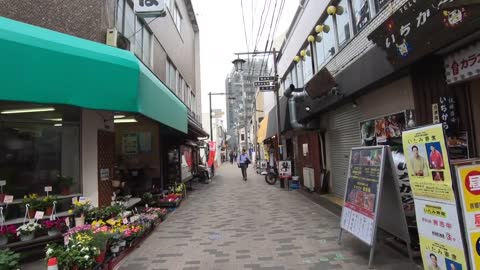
(427, 162)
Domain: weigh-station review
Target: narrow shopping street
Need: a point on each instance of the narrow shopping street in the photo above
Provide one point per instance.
(230, 224)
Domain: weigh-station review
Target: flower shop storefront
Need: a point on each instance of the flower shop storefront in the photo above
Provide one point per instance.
(58, 129)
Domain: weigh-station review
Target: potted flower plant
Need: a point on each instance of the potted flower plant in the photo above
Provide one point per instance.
(34, 203)
(26, 232)
(64, 183)
(9, 260)
(7, 232)
(48, 204)
(80, 210)
(100, 240)
(55, 227)
(59, 252)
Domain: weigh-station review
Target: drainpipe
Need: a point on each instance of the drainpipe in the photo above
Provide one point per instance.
(293, 97)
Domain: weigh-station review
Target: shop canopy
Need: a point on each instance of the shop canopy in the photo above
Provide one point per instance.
(262, 130)
(43, 66)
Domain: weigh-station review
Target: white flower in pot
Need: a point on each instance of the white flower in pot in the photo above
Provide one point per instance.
(27, 231)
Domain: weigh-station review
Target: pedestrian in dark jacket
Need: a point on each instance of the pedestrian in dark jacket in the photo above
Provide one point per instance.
(243, 162)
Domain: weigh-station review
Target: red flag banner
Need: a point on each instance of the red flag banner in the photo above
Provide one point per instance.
(211, 155)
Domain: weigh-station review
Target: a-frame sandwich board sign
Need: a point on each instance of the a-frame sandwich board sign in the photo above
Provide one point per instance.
(372, 198)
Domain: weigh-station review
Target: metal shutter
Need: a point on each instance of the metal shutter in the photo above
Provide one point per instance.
(344, 133)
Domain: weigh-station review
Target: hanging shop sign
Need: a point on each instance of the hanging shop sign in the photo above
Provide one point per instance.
(285, 169)
(372, 197)
(407, 35)
(468, 180)
(441, 242)
(211, 154)
(426, 155)
(150, 8)
(463, 65)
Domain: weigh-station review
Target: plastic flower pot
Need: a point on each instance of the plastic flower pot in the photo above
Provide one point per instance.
(3, 240)
(101, 257)
(115, 249)
(49, 211)
(53, 232)
(31, 214)
(79, 221)
(122, 243)
(27, 237)
(66, 190)
(2, 197)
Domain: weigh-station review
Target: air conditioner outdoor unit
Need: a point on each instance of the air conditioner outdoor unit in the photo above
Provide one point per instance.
(308, 178)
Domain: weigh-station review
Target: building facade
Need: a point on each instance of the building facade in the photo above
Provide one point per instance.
(165, 61)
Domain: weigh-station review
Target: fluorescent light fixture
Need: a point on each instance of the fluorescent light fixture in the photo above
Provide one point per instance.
(54, 119)
(118, 116)
(119, 121)
(57, 125)
(33, 110)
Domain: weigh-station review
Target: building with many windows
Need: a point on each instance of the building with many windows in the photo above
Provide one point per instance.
(120, 96)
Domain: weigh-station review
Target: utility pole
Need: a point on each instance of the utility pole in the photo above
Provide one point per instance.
(275, 91)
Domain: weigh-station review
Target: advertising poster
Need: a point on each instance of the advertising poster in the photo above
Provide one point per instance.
(404, 183)
(187, 163)
(367, 130)
(457, 145)
(359, 211)
(440, 236)
(130, 144)
(285, 169)
(468, 178)
(427, 161)
(211, 154)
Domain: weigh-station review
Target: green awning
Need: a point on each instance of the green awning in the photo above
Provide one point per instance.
(43, 66)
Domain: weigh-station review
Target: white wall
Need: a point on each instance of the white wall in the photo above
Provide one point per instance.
(92, 121)
(268, 102)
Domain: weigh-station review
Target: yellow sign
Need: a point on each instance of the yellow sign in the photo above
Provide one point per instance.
(468, 180)
(427, 163)
(437, 255)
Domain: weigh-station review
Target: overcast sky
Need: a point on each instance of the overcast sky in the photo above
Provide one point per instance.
(222, 34)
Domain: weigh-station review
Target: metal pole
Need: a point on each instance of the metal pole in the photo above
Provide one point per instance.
(245, 111)
(211, 129)
(277, 101)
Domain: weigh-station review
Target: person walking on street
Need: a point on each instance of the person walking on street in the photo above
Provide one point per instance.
(231, 157)
(243, 162)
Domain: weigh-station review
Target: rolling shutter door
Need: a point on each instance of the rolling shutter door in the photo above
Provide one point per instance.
(344, 133)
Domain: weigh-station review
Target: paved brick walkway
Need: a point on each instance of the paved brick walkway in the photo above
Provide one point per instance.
(232, 224)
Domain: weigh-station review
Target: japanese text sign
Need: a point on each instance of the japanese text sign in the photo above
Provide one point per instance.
(150, 8)
(468, 179)
(463, 65)
(418, 28)
(447, 114)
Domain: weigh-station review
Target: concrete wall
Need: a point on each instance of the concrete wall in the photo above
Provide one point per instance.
(87, 19)
(92, 121)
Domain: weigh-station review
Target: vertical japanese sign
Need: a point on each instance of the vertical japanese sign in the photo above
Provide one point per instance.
(359, 211)
(437, 215)
(211, 154)
(468, 178)
(447, 114)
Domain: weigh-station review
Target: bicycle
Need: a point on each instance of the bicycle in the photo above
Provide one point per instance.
(271, 175)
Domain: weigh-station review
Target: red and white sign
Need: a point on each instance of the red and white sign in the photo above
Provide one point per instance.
(211, 155)
(463, 65)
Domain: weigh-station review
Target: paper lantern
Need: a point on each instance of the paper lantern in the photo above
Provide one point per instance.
(296, 58)
(311, 38)
(332, 10)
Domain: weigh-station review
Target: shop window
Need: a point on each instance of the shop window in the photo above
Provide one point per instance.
(380, 4)
(138, 38)
(35, 148)
(307, 66)
(361, 11)
(129, 25)
(326, 46)
(171, 76)
(343, 23)
(147, 47)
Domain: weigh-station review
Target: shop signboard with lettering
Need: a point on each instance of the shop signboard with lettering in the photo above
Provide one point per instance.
(285, 169)
(418, 28)
(468, 179)
(441, 241)
(150, 8)
(463, 65)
